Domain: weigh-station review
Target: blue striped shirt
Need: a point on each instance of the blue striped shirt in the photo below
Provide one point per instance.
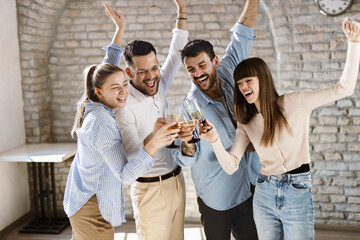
(113, 54)
(100, 165)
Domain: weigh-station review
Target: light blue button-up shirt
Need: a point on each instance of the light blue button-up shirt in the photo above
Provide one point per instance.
(100, 165)
(216, 188)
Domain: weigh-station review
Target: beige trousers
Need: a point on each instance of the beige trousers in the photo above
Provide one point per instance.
(159, 209)
(88, 224)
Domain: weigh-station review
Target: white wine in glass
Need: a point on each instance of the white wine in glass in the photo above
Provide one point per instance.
(194, 109)
(173, 114)
(191, 123)
(199, 115)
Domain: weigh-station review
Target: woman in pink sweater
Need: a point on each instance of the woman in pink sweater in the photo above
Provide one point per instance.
(278, 127)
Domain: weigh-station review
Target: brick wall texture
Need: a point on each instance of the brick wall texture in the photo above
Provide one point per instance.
(304, 49)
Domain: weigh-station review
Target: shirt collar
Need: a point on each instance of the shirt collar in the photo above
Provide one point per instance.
(139, 95)
(90, 106)
(201, 97)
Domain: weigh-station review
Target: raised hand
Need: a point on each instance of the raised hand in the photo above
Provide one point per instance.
(181, 21)
(208, 132)
(351, 30)
(249, 13)
(181, 4)
(117, 17)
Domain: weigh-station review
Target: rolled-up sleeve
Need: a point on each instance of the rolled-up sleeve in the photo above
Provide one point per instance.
(113, 54)
(238, 49)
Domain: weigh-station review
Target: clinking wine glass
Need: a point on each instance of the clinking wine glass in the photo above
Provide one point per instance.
(193, 108)
(173, 114)
(190, 122)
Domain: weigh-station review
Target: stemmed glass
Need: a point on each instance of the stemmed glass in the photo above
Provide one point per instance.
(194, 109)
(189, 121)
(173, 114)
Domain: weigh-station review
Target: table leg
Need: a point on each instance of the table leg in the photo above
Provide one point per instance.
(52, 172)
(35, 191)
(47, 193)
(48, 221)
(41, 189)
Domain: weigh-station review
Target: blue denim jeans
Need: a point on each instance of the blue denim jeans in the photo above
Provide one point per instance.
(283, 205)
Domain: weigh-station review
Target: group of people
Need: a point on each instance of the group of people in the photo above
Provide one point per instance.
(121, 136)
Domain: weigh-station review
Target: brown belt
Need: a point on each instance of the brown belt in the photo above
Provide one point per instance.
(175, 172)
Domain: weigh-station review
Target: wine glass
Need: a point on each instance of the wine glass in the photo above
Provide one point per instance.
(189, 121)
(194, 109)
(173, 114)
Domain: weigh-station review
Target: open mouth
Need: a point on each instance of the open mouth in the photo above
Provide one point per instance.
(122, 99)
(202, 79)
(248, 94)
(150, 83)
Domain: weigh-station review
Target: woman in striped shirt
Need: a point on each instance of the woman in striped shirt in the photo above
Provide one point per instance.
(94, 194)
(278, 127)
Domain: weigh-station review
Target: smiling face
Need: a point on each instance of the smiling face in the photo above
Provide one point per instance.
(114, 92)
(145, 73)
(202, 71)
(249, 88)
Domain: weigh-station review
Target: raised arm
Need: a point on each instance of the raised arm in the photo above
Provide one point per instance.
(181, 20)
(118, 18)
(241, 40)
(180, 37)
(249, 13)
(114, 50)
(347, 83)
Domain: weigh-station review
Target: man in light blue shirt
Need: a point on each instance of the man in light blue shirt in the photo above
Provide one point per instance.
(225, 202)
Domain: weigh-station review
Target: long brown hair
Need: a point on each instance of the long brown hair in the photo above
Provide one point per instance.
(271, 111)
(94, 77)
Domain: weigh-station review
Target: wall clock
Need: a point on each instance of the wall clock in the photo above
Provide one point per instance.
(333, 7)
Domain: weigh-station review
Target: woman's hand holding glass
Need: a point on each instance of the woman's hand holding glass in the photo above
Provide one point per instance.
(208, 131)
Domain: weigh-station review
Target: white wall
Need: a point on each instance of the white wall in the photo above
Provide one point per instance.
(14, 200)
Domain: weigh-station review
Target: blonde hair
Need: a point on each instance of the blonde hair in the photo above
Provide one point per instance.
(94, 77)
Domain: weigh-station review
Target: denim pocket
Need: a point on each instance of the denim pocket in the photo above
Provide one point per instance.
(261, 179)
(301, 183)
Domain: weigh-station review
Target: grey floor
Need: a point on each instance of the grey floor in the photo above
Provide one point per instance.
(125, 232)
(192, 232)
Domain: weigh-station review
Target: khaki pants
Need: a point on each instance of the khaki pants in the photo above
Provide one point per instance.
(88, 224)
(159, 209)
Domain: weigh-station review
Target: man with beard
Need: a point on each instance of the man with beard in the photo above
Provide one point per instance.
(225, 201)
(158, 197)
